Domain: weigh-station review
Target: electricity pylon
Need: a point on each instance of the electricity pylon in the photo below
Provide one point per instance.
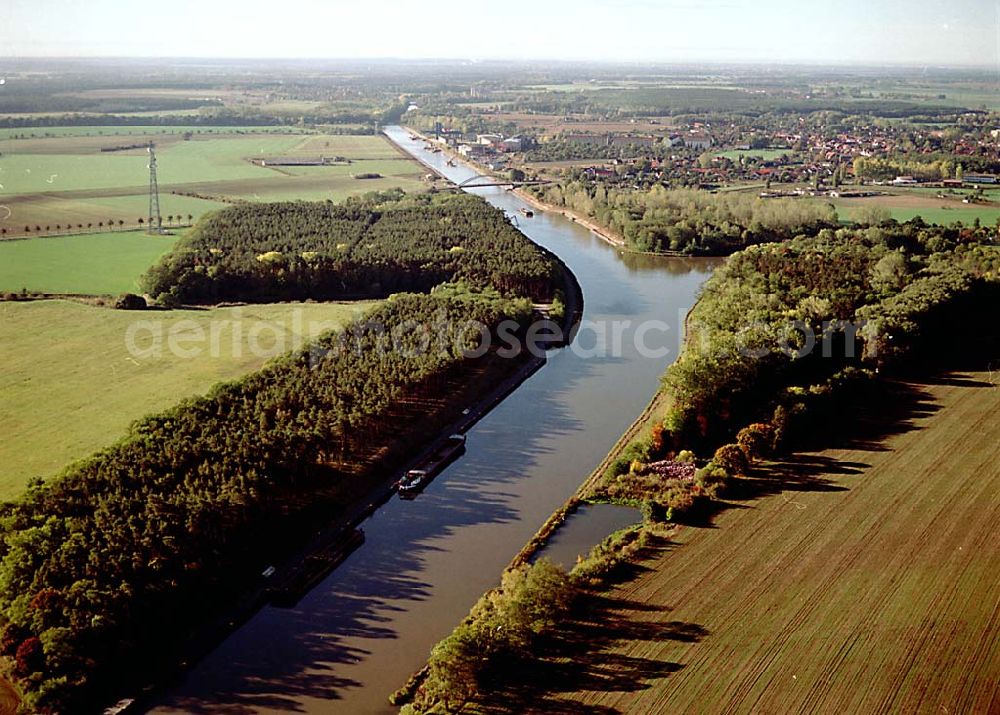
(155, 219)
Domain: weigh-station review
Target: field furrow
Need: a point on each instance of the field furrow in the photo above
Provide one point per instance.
(865, 582)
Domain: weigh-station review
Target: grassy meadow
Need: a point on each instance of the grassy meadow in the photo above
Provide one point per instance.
(866, 581)
(47, 214)
(61, 177)
(70, 384)
(765, 154)
(132, 131)
(929, 208)
(181, 162)
(87, 264)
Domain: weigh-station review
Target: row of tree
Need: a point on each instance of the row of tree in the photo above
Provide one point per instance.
(169, 220)
(688, 220)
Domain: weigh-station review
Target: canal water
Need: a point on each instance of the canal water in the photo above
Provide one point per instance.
(584, 529)
(361, 632)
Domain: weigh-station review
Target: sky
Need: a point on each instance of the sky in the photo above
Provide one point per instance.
(913, 32)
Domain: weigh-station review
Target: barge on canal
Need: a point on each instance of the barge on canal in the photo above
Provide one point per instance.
(418, 478)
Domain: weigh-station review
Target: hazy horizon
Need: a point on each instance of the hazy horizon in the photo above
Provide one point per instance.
(963, 33)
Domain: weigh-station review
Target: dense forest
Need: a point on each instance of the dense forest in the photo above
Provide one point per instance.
(366, 247)
(898, 286)
(690, 221)
(107, 568)
(119, 553)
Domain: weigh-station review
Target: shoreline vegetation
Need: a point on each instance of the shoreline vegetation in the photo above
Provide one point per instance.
(661, 222)
(722, 414)
(685, 222)
(272, 453)
(601, 231)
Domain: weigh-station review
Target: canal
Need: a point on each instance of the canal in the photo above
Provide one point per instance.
(360, 633)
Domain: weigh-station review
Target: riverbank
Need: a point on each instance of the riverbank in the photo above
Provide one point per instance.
(571, 286)
(480, 392)
(763, 452)
(370, 625)
(324, 528)
(601, 231)
(867, 562)
(656, 406)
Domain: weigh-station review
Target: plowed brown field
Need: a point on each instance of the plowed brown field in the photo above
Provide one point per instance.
(862, 579)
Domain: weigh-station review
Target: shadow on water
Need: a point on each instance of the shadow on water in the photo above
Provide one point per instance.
(302, 652)
(585, 528)
(359, 634)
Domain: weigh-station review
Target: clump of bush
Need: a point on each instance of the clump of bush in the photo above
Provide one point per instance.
(732, 459)
(711, 480)
(498, 634)
(558, 310)
(130, 301)
(756, 440)
(635, 452)
(23, 294)
(605, 558)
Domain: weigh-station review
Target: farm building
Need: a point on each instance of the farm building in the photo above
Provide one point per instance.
(512, 144)
(698, 140)
(473, 150)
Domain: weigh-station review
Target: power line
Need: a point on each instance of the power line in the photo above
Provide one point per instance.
(155, 219)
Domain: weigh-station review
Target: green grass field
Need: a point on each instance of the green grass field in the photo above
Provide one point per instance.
(861, 579)
(186, 162)
(336, 188)
(88, 212)
(937, 213)
(991, 193)
(765, 154)
(180, 163)
(89, 264)
(67, 179)
(352, 147)
(125, 131)
(70, 385)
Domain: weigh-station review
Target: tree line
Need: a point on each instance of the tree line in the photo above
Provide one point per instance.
(688, 220)
(111, 564)
(367, 247)
(897, 285)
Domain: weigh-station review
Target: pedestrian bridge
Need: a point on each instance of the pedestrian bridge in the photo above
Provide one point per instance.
(481, 180)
